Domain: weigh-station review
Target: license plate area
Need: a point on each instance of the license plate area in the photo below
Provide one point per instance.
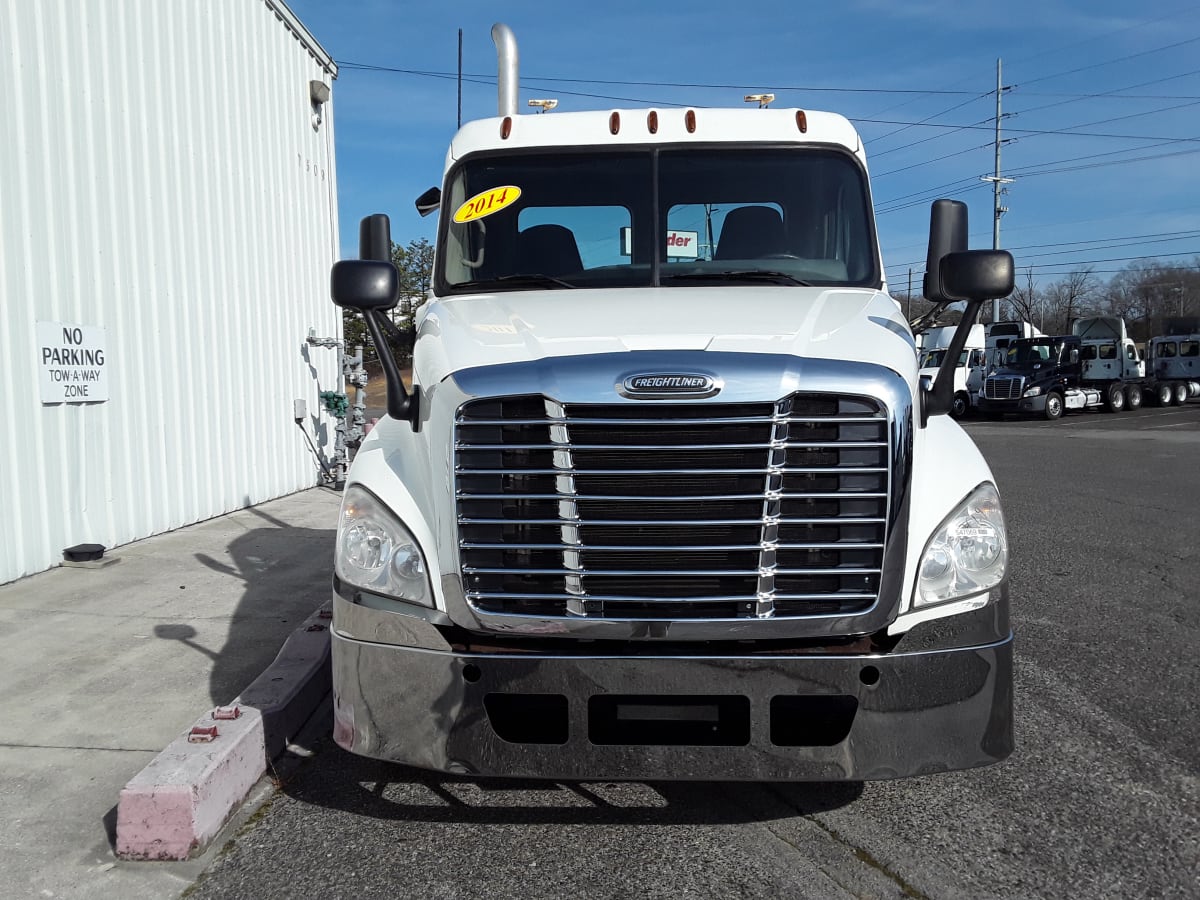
(718, 720)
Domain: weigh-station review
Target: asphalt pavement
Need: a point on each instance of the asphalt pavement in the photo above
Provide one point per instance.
(105, 666)
(1101, 798)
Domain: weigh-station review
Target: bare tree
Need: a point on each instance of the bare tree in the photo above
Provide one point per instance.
(1068, 298)
(1026, 300)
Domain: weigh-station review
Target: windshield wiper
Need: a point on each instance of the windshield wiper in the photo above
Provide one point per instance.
(519, 281)
(767, 275)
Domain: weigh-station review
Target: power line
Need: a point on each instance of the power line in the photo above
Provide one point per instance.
(1114, 162)
(1113, 94)
(979, 126)
(1110, 62)
(1185, 236)
(930, 161)
(1107, 34)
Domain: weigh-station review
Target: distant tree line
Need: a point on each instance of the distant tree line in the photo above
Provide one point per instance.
(1144, 294)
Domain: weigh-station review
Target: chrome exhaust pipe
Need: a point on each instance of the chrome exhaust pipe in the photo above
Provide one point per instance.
(507, 60)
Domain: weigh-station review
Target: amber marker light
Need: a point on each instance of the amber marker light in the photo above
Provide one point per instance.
(652, 122)
(689, 121)
(506, 128)
(614, 123)
(802, 121)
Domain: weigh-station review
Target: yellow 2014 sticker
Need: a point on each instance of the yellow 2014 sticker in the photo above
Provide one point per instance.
(486, 203)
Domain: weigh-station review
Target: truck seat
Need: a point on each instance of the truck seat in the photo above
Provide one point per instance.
(751, 232)
(547, 250)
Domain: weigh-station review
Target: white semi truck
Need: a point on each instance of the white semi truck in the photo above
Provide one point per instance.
(1173, 363)
(665, 498)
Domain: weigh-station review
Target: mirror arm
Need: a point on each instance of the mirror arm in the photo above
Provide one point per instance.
(401, 404)
(938, 402)
(925, 322)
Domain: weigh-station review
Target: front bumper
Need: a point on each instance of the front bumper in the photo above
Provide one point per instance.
(647, 716)
(1021, 405)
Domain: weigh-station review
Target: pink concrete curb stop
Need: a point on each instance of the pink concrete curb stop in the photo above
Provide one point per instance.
(179, 802)
(176, 805)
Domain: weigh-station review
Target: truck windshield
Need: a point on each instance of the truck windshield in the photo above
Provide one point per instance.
(1023, 353)
(656, 216)
(933, 358)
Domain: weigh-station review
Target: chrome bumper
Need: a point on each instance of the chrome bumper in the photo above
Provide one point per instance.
(655, 717)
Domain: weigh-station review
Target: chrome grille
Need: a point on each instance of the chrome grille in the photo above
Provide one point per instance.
(1003, 387)
(672, 511)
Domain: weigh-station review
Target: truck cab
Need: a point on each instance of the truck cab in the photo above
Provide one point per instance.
(1035, 377)
(666, 498)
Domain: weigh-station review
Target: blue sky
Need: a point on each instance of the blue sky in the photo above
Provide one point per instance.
(1106, 97)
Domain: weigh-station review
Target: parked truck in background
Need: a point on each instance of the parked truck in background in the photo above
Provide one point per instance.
(666, 498)
(1097, 366)
(1000, 335)
(1173, 363)
(970, 360)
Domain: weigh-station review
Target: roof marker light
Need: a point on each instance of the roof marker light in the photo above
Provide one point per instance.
(614, 123)
(652, 121)
(802, 121)
(689, 121)
(506, 128)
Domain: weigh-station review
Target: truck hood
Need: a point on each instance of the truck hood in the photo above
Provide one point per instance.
(495, 329)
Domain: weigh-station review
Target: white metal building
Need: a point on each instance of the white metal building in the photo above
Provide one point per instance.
(167, 225)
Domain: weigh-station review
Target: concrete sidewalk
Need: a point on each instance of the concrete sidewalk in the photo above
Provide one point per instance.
(104, 667)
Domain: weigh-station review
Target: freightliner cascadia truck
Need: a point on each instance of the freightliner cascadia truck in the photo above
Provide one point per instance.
(665, 497)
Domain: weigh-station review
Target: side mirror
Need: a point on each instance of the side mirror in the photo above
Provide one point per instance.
(977, 274)
(947, 234)
(429, 201)
(364, 284)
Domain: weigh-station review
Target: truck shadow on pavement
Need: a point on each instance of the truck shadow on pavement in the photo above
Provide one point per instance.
(286, 573)
(337, 780)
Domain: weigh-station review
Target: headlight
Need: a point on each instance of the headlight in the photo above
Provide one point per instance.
(968, 554)
(377, 553)
(1033, 392)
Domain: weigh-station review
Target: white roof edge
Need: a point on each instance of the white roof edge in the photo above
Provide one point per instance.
(305, 37)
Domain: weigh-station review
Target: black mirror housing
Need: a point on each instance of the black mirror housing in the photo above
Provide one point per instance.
(364, 284)
(947, 234)
(429, 201)
(978, 274)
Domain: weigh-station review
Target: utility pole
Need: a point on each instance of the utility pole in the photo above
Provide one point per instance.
(909, 314)
(997, 181)
(460, 78)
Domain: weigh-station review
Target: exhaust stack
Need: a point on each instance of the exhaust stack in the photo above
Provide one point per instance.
(507, 62)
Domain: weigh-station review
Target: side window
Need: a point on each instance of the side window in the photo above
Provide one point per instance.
(1189, 348)
(1166, 349)
(1108, 351)
(1088, 352)
(1131, 352)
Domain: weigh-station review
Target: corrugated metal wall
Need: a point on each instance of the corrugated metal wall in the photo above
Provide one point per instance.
(161, 179)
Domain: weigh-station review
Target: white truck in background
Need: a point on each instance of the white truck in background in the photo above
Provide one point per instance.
(1173, 363)
(999, 335)
(667, 498)
(971, 359)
